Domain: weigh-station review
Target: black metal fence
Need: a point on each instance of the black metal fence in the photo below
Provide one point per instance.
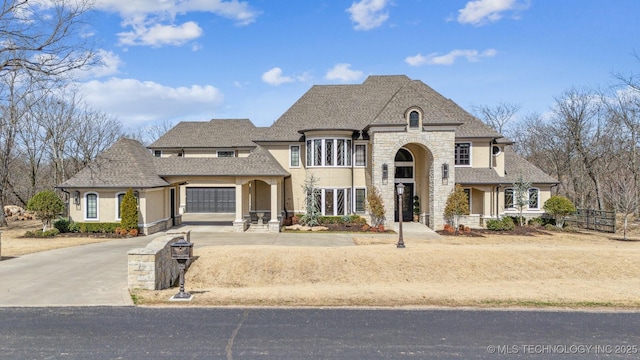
(598, 220)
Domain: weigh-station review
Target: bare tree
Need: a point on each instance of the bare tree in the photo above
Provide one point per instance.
(499, 117)
(44, 37)
(92, 133)
(621, 194)
(578, 112)
(150, 133)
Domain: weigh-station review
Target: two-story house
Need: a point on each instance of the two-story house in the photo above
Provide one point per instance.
(385, 131)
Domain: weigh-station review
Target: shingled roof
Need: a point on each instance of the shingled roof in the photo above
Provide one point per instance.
(259, 163)
(380, 100)
(126, 164)
(515, 165)
(216, 133)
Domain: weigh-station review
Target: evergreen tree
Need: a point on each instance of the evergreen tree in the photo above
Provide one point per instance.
(129, 211)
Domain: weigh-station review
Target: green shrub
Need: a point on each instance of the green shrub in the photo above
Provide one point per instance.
(559, 207)
(541, 221)
(46, 205)
(97, 227)
(62, 225)
(42, 234)
(375, 206)
(129, 211)
(504, 224)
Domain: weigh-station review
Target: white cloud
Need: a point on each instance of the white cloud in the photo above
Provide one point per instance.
(135, 102)
(158, 35)
(152, 21)
(275, 77)
(108, 65)
(343, 72)
(480, 12)
(368, 14)
(450, 58)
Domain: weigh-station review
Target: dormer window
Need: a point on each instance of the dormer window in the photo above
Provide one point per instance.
(414, 119)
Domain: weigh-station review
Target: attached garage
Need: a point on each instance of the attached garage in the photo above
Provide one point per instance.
(211, 200)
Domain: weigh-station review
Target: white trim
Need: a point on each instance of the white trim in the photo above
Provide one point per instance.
(311, 155)
(299, 156)
(86, 207)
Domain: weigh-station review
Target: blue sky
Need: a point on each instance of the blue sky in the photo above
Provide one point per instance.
(173, 60)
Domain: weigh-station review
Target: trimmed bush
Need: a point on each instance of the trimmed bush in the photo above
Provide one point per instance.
(42, 234)
(62, 225)
(97, 227)
(504, 224)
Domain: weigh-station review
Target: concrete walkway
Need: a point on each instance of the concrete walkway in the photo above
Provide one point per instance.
(96, 274)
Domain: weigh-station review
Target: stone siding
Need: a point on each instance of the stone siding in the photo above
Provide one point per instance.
(440, 145)
(152, 268)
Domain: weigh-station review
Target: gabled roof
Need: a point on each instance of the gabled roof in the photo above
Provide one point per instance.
(259, 163)
(380, 100)
(126, 164)
(515, 166)
(216, 133)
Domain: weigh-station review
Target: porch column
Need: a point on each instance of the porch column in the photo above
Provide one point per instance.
(274, 223)
(239, 224)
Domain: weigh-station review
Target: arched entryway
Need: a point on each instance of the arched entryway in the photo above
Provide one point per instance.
(404, 173)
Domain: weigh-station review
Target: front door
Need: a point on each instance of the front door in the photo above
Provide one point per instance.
(407, 203)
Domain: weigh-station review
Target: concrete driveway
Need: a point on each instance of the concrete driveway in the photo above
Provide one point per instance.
(96, 274)
(86, 275)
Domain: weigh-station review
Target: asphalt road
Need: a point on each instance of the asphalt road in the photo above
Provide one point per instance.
(238, 333)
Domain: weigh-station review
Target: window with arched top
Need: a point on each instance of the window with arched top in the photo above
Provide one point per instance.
(403, 155)
(414, 119)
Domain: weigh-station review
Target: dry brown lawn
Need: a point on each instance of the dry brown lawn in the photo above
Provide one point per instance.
(556, 269)
(13, 244)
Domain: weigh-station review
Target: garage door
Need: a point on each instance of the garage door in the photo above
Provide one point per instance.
(211, 200)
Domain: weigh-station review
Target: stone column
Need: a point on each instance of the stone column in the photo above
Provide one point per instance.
(239, 224)
(274, 224)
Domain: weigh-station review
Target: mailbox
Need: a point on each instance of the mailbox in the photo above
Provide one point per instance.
(182, 250)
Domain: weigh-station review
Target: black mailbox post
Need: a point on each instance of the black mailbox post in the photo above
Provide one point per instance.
(182, 251)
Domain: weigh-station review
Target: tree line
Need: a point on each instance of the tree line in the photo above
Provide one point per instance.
(588, 140)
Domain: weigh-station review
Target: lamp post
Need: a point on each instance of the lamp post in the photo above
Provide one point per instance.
(400, 189)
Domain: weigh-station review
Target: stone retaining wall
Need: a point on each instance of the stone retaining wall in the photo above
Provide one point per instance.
(151, 267)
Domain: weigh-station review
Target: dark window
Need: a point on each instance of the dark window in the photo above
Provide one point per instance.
(403, 155)
(157, 153)
(120, 198)
(328, 148)
(295, 156)
(361, 195)
(414, 119)
(361, 155)
(463, 154)
(226, 153)
(508, 198)
(404, 172)
(533, 199)
(92, 206)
